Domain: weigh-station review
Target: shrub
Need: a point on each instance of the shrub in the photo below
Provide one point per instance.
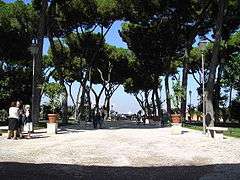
(235, 109)
(3, 115)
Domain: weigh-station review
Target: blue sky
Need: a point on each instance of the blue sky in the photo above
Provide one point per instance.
(121, 101)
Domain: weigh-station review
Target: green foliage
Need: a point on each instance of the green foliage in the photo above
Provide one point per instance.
(84, 45)
(16, 84)
(231, 75)
(234, 41)
(85, 13)
(112, 61)
(18, 23)
(178, 94)
(53, 92)
(4, 84)
(192, 110)
(195, 58)
(3, 115)
(163, 46)
(235, 109)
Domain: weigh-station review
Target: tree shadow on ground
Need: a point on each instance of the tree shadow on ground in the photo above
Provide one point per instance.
(27, 171)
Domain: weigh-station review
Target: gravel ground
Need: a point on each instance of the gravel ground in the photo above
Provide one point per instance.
(122, 151)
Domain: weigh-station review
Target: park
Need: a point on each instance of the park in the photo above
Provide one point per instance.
(120, 89)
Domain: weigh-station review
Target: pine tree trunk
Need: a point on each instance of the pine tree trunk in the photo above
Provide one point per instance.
(147, 106)
(230, 104)
(217, 94)
(89, 105)
(107, 102)
(97, 102)
(184, 86)
(76, 111)
(168, 100)
(158, 102)
(108, 106)
(140, 102)
(38, 80)
(64, 103)
(81, 105)
(213, 66)
(153, 103)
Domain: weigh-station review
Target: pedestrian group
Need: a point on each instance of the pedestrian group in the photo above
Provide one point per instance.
(20, 121)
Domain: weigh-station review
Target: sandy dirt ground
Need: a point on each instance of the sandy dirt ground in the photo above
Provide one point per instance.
(123, 150)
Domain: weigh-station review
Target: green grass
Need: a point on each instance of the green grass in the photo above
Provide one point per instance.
(199, 128)
(40, 125)
(232, 132)
(43, 124)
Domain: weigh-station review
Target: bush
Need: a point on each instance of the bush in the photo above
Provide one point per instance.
(3, 115)
(53, 92)
(235, 109)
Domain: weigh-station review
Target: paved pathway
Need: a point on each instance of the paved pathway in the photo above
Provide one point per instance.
(125, 151)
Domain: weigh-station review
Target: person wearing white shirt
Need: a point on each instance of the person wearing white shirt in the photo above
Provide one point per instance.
(28, 126)
(13, 121)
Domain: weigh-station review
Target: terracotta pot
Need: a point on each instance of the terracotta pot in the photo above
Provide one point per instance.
(175, 118)
(52, 118)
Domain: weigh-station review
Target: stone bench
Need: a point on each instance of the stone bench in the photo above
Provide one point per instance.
(216, 132)
(3, 131)
(3, 127)
(153, 120)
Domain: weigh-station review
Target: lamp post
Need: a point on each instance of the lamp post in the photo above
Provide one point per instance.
(34, 51)
(190, 96)
(202, 46)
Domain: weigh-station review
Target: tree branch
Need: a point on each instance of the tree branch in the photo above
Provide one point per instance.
(193, 74)
(70, 93)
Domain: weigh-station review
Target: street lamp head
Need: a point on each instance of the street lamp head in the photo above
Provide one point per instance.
(34, 41)
(34, 47)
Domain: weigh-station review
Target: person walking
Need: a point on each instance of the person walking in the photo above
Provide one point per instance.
(13, 121)
(27, 119)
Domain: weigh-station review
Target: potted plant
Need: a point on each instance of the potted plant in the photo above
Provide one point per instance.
(53, 92)
(178, 93)
(175, 116)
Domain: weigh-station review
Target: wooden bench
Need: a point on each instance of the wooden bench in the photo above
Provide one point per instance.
(216, 132)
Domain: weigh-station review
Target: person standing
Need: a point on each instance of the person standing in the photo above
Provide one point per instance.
(20, 118)
(95, 118)
(13, 121)
(139, 117)
(98, 118)
(101, 118)
(27, 119)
